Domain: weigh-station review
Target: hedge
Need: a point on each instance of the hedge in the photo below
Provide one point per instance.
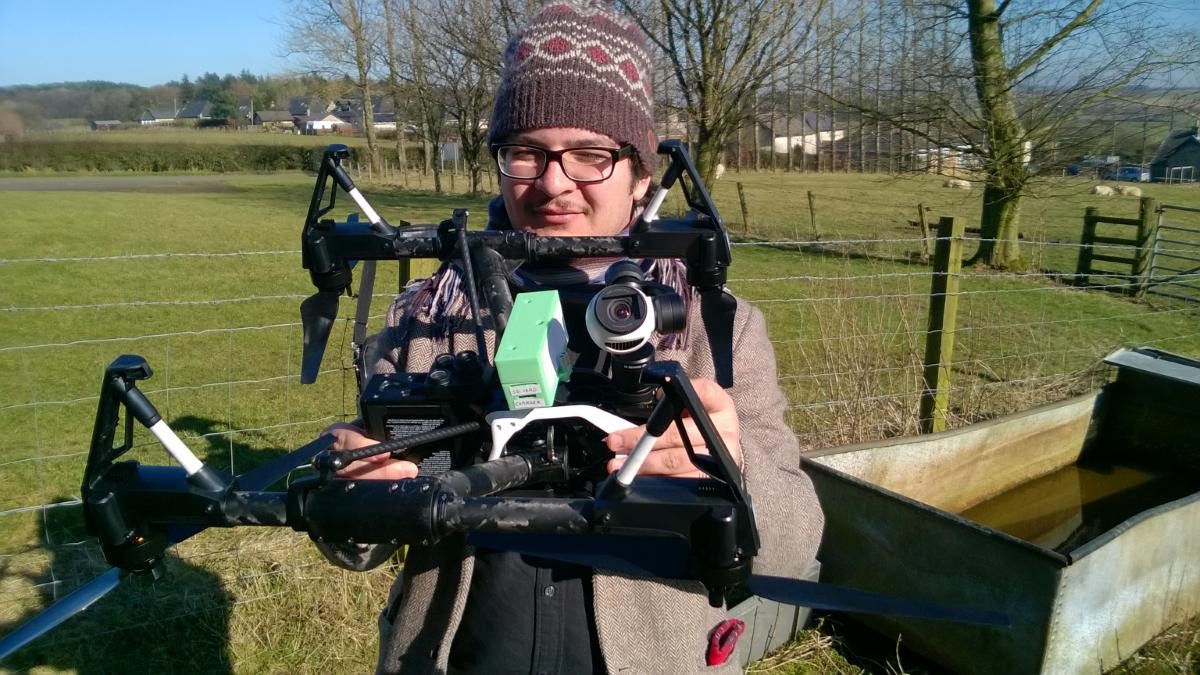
(149, 157)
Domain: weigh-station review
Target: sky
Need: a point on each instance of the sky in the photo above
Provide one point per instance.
(147, 43)
(142, 43)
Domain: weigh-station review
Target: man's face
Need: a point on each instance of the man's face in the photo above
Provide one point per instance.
(554, 205)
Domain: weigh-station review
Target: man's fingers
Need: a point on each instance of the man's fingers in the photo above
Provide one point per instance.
(393, 469)
(672, 462)
(712, 396)
(348, 437)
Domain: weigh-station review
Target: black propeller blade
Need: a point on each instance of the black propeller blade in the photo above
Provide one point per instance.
(66, 607)
(317, 314)
(841, 599)
(718, 307)
(83, 597)
(648, 557)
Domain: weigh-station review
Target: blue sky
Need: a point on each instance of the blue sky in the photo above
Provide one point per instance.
(142, 43)
(152, 43)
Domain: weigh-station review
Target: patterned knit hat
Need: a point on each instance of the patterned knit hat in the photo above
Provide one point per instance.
(578, 64)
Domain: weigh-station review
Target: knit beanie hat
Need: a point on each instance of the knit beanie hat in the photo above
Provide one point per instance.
(578, 64)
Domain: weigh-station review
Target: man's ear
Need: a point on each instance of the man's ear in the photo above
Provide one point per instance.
(640, 186)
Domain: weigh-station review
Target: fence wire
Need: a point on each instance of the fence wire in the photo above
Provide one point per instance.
(848, 320)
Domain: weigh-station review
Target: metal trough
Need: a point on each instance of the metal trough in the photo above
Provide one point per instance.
(896, 523)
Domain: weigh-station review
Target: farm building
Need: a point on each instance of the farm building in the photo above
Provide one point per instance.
(274, 119)
(809, 131)
(153, 116)
(105, 125)
(196, 110)
(1178, 158)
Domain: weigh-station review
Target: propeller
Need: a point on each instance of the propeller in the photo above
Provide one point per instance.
(83, 597)
(717, 308)
(317, 314)
(68, 606)
(663, 558)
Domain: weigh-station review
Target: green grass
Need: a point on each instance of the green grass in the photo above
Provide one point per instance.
(847, 321)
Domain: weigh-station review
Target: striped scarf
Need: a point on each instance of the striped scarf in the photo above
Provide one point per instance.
(442, 303)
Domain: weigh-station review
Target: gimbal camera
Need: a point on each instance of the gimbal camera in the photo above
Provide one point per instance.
(480, 427)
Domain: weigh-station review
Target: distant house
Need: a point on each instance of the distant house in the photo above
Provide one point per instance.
(156, 116)
(245, 110)
(196, 110)
(274, 119)
(105, 125)
(327, 122)
(1178, 158)
(301, 108)
(673, 125)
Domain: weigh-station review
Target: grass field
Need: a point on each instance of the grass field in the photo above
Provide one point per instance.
(206, 286)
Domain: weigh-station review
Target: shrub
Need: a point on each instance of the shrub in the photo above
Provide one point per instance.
(150, 157)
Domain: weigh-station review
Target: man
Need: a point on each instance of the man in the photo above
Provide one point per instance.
(572, 134)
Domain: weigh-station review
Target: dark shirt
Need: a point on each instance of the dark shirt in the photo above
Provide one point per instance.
(527, 615)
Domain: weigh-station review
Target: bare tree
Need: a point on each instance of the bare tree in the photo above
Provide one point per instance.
(393, 12)
(465, 67)
(428, 95)
(336, 38)
(1029, 70)
(722, 54)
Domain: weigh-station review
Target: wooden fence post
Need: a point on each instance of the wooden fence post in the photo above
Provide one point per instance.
(812, 214)
(943, 313)
(1083, 267)
(924, 232)
(741, 190)
(1145, 239)
(405, 273)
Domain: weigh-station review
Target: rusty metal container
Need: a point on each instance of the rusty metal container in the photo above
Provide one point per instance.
(899, 521)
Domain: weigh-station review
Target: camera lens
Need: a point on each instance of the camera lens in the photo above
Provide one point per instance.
(620, 310)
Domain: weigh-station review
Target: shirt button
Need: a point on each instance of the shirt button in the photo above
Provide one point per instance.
(548, 592)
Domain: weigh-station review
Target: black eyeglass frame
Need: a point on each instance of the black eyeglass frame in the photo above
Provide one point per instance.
(617, 155)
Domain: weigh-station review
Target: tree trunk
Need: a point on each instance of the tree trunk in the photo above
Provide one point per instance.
(1005, 153)
(998, 224)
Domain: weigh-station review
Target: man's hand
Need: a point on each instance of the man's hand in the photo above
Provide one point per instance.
(669, 457)
(380, 467)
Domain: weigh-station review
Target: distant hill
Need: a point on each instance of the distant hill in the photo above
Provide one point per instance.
(88, 100)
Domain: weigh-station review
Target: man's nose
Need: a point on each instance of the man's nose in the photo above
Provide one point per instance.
(554, 180)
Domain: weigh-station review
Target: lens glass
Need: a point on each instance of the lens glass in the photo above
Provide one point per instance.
(620, 309)
(582, 165)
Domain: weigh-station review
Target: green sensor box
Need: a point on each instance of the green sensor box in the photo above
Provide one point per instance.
(531, 358)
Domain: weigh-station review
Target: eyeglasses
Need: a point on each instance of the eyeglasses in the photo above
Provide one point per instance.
(582, 165)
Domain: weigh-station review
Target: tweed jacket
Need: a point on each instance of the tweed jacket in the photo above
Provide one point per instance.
(644, 625)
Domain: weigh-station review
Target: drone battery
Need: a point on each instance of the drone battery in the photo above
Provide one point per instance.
(531, 358)
(400, 405)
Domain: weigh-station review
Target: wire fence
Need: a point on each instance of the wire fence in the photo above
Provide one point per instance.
(848, 319)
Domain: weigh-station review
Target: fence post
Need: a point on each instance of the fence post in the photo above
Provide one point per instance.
(405, 273)
(812, 214)
(924, 232)
(1145, 237)
(1084, 266)
(745, 210)
(943, 313)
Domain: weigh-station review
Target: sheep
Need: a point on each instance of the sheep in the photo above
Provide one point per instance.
(1103, 190)
(720, 172)
(1129, 190)
(957, 183)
